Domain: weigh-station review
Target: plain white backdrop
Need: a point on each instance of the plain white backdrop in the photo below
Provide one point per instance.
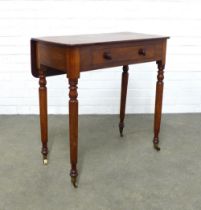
(99, 91)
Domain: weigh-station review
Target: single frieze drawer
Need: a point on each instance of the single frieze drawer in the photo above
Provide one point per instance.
(133, 54)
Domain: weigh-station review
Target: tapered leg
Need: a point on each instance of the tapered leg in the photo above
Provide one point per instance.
(73, 129)
(124, 84)
(158, 104)
(43, 114)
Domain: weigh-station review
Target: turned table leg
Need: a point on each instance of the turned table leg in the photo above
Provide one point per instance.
(73, 129)
(43, 114)
(124, 84)
(158, 104)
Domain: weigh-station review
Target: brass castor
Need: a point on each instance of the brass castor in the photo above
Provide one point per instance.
(121, 128)
(74, 182)
(44, 152)
(121, 133)
(45, 161)
(156, 147)
(156, 143)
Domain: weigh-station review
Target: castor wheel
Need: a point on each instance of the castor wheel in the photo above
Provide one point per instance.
(121, 128)
(156, 144)
(156, 147)
(45, 161)
(74, 182)
(121, 132)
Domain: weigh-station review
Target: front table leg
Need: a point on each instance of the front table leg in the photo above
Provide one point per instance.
(73, 128)
(158, 103)
(43, 114)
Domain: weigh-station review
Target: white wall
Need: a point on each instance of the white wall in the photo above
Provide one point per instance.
(99, 91)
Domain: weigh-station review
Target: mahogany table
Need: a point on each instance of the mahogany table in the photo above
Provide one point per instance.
(71, 55)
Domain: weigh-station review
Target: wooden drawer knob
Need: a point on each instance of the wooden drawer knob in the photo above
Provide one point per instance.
(142, 52)
(107, 56)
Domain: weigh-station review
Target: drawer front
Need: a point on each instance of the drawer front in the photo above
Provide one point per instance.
(97, 57)
(139, 53)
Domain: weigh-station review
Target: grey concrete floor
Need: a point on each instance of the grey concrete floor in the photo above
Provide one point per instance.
(115, 173)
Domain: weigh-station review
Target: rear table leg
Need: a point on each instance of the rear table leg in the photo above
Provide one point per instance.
(124, 84)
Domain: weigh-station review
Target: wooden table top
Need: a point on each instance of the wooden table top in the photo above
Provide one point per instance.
(91, 39)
